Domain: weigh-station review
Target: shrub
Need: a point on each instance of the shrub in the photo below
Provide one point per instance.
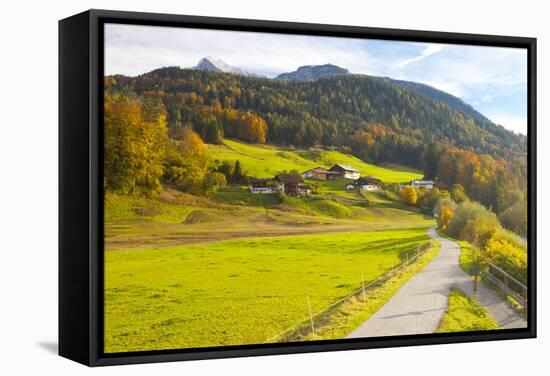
(467, 217)
(480, 229)
(508, 257)
(477, 225)
(515, 218)
(430, 199)
(444, 212)
(214, 180)
(458, 193)
(408, 195)
(389, 195)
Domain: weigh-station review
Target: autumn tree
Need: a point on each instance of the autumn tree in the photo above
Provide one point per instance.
(444, 212)
(473, 222)
(186, 163)
(252, 128)
(430, 198)
(408, 195)
(514, 218)
(511, 198)
(214, 180)
(135, 136)
(458, 194)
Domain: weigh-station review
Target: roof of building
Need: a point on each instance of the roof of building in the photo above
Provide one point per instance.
(345, 167)
(289, 178)
(423, 181)
(367, 180)
(261, 182)
(317, 169)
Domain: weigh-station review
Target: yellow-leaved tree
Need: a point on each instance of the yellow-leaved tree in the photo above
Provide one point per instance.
(408, 194)
(187, 163)
(135, 135)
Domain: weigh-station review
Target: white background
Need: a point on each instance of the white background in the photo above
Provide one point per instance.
(28, 186)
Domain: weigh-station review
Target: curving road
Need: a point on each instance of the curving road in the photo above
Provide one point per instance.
(418, 306)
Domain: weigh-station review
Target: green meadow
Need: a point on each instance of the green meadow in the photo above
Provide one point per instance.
(238, 291)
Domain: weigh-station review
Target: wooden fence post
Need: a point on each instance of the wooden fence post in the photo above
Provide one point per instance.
(363, 280)
(310, 317)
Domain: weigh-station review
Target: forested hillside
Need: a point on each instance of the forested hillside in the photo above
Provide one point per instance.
(326, 111)
(447, 98)
(371, 118)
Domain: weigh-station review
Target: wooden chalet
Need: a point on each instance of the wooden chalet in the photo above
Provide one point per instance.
(293, 184)
(265, 186)
(320, 173)
(346, 172)
(428, 184)
(368, 183)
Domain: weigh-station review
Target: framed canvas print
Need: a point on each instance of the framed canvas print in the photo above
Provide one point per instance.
(239, 187)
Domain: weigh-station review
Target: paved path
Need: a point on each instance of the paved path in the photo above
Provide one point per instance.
(419, 305)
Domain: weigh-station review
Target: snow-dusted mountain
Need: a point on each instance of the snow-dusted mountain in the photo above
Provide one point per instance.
(214, 64)
(313, 72)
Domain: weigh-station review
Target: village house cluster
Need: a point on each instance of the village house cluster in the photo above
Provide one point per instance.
(293, 184)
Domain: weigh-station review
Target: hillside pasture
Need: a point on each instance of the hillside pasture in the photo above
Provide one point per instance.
(237, 291)
(267, 161)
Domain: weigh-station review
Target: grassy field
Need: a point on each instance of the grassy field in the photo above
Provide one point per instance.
(237, 291)
(267, 161)
(465, 314)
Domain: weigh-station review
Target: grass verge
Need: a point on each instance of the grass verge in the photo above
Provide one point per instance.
(465, 314)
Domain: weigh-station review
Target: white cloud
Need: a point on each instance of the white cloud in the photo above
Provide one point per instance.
(487, 98)
(430, 50)
(132, 50)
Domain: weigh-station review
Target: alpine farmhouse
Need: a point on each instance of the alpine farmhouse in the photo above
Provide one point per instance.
(336, 171)
(428, 184)
(366, 184)
(291, 184)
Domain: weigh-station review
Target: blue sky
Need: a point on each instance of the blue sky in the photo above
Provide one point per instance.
(493, 80)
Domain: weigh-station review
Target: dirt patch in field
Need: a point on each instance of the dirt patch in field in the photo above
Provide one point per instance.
(202, 216)
(217, 231)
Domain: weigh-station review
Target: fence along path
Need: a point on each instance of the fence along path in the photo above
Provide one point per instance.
(507, 284)
(417, 308)
(308, 325)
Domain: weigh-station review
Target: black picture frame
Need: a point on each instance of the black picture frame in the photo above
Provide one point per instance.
(81, 195)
